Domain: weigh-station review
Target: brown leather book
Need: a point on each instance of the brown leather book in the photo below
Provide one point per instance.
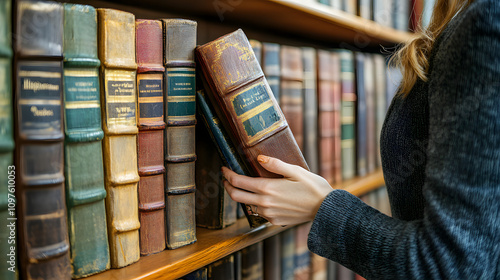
(292, 100)
(244, 102)
(180, 107)
(119, 106)
(42, 230)
(150, 71)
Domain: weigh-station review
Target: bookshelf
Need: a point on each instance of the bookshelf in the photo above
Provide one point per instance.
(215, 244)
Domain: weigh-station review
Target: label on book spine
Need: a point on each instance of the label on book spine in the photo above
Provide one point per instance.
(150, 90)
(255, 111)
(39, 100)
(120, 98)
(82, 103)
(181, 94)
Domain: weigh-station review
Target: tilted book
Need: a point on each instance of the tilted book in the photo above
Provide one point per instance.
(8, 263)
(150, 89)
(244, 102)
(292, 99)
(180, 108)
(119, 106)
(227, 153)
(83, 164)
(41, 207)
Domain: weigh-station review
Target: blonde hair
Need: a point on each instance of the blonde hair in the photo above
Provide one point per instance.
(413, 57)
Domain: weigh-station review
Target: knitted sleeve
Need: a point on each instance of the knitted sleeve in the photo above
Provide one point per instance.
(459, 236)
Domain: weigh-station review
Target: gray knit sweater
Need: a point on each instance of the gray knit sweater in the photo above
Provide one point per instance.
(440, 150)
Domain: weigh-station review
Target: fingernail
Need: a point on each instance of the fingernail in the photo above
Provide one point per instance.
(262, 159)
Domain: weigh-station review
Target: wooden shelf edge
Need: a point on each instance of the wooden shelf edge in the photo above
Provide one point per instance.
(362, 185)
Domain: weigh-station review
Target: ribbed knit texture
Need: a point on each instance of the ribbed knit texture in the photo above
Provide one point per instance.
(440, 149)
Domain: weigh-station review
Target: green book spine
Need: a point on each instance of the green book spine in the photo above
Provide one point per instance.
(8, 259)
(348, 115)
(83, 165)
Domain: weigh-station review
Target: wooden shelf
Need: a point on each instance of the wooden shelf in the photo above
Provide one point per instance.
(215, 244)
(303, 19)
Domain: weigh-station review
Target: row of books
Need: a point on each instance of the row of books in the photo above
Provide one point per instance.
(401, 15)
(104, 109)
(285, 256)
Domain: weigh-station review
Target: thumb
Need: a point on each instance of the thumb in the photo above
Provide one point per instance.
(279, 167)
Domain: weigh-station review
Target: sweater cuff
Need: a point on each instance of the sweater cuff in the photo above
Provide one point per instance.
(327, 237)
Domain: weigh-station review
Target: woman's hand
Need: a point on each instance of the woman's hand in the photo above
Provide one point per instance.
(291, 200)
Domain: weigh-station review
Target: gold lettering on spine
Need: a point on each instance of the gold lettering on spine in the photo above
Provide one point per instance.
(41, 113)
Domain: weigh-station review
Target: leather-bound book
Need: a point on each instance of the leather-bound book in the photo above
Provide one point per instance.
(150, 71)
(200, 274)
(319, 267)
(221, 269)
(371, 117)
(42, 231)
(288, 254)
(214, 207)
(8, 263)
(272, 257)
(302, 269)
(228, 156)
(244, 103)
(119, 104)
(180, 108)
(361, 117)
(292, 99)
(252, 262)
(380, 100)
(83, 166)
(309, 88)
(326, 115)
(348, 114)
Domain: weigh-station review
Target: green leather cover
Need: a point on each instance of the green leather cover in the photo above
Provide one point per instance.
(83, 166)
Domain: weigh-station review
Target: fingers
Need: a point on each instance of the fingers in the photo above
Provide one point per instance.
(277, 166)
(243, 182)
(241, 196)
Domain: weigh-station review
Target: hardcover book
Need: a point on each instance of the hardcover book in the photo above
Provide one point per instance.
(119, 104)
(41, 207)
(272, 257)
(271, 66)
(150, 71)
(180, 107)
(380, 100)
(288, 254)
(348, 116)
(369, 80)
(221, 269)
(292, 99)
(257, 50)
(8, 265)
(252, 262)
(226, 151)
(361, 117)
(302, 270)
(200, 274)
(244, 103)
(309, 88)
(83, 166)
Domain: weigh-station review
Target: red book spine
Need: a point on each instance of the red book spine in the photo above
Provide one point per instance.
(150, 71)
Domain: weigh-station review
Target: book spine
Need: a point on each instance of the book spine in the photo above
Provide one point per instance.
(361, 117)
(179, 37)
(380, 100)
(310, 109)
(224, 146)
(250, 112)
(272, 257)
(83, 167)
(337, 116)
(119, 107)
(221, 269)
(326, 116)
(41, 208)
(200, 274)
(257, 50)
(271, 67)
(371, 117)
(288, 254)
(150, 71)
(252, 262)
(8, 264)
(292, 99)
(348, 116)
(302, 257)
